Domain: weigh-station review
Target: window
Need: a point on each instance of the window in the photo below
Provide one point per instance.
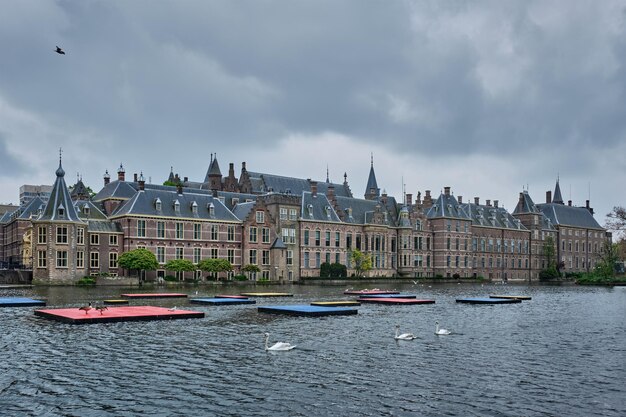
(283, 213)
(265, 235)
(337, 257)
(94, 260)
(231, 256)
(180, 253)
(337, 239)
(253, 234)
(306, 237)
(327, 240)
(80, 259)
(62, 259)
(42, 237)
(265, 257)
(214, 232)
(62, 234)
(160, 254)
(94, 239)
(327, 257)
(289, 257)
(213, 253)
(42, 260)
(289, 236)
(306, 259)
(197, 231)
(194, 208)
(112, 260)
(318, 260)
(141, 228)
(253, 259)
(211, 210)
(293, 214)
(179, 230)
(80, 236)
(349, 240)
(112, 240)
(160, 230)
(231, 233)
(260, 217)
(448, 243)
(197, 252)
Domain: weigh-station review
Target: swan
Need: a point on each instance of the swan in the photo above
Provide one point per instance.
(277, 345)
(439, 331)
(403, 336)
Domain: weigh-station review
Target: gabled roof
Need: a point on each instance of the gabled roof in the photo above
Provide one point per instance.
(317, 208)
(116, 189)
(563, 215)
(214, 169)
(60, 206)
(241, 210)
(87, 210)
(263, 183)
(447, 206)
(490, 216)
(362, 210)
(33, 208)
(525, 204)
(79, 191)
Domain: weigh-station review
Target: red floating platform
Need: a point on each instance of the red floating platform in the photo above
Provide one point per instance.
(395, 301)
(156, 295)
(115, 314)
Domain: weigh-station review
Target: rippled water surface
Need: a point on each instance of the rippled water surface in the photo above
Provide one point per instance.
(561, 354)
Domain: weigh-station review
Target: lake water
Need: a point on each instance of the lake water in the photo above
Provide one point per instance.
(561, 354)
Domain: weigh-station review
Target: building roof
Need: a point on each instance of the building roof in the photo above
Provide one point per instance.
(447, 205)
(317, 207)
(490, 216)
(241, 210)
(117, 190)
(214, 169)
(60, 206)
(34, 208)
(558, 199)
(361, 211)
(263, 183)
(525, 204)
(371, 183)
(95, 226)
(88, 210)
(563, 215)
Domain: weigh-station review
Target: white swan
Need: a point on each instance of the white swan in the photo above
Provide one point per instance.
(277, 345)
(403, 336)
(439, 331)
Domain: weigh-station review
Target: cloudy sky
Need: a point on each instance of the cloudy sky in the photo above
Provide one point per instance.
(488, 97)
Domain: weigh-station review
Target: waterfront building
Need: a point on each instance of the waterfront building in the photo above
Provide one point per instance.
(289, 227)
(29, 192)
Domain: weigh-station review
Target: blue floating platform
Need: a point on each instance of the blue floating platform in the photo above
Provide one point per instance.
(485, 300)
(20, 302)
(308, 310)
(389, 296)
(222, 301)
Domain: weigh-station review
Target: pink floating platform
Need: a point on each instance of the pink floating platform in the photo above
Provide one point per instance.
(115, 314)
(239, 297)
(369, 292)
(380, 300)
(156, 295)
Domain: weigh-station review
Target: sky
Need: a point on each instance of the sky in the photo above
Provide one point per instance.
(488, 97)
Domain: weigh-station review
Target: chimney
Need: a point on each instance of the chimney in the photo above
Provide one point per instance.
(409, 199)
(446, 190)
(135, 177)
(428, 201)
(186, 179)
(460, 199)
(588, 207)
(179, 188)
(121, 173)
(477, 201)
(569, 203)
(548, 197)
(495, 203)
(214, 193)
(331, 193)
(488, 203)
(231, 170)
(521, 199)
(383, 198)
(313, 187)
(142, 182)
(107, 179)
(243, 166)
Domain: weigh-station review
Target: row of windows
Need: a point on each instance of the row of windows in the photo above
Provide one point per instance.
(62, 236)
(265, 234)
(196, 254)
(265, 257)
(579, 247)
(500, 246)
(293, 214)
(179, 231)
(62, 259)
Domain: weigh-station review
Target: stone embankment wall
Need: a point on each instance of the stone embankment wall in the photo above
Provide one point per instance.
(16, 277)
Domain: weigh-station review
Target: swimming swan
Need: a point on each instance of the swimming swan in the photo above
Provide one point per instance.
(277, 345)
(439, 331)
(403, 336)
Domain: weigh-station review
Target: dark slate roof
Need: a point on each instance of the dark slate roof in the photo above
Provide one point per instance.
(525, 204)
(116, 189)
(94, 211)
(103, 227)
(242, 210)
(33, 208)
(371, 182)
(560, 214)
(231, 199)
(362, 210)
(278, 244)
(317, 208)
(263, 183)
(447, 206)
(79, 190)
(60, 198)
(144, 203)
(6, 217)
(490, 216)
(214, 169)
(558, 199)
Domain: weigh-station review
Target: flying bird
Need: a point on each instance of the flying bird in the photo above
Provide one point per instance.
(60, 51)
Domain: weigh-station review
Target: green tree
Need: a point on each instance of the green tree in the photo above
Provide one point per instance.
(138, 260)
(180, 265)
(215, 266)
(325, 270)
(616, 219)
(549, 252)
(338, 270)
(250, 269)
(361, 262)
(608, 258)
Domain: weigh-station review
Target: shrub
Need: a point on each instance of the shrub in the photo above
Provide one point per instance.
(456, 276)
(240, 278)
(439, 276)
(338, 270)
(86, 281)
(325, 270)
(170, 278)
(263, 281)
(548, 274)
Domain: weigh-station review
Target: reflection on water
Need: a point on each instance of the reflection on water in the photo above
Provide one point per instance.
(563, 353)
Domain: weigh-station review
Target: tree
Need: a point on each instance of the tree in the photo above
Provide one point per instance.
(338, 270)
(608, 258)
(250, 268)
(549, 252)
(180, 265)
(138, 260)
(616, 219)
(361, 262)
(215, 266)
(325, 270)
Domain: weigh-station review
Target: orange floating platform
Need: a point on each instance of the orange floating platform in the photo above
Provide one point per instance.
(380, 300)
(115, 314)
(156, 295)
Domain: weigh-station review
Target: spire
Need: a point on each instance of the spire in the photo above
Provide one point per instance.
(327, 177)
(214, 169)
(60, 206)
(558, 199)
(371, 190)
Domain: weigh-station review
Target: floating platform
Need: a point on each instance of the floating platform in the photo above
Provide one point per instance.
(222, 301)
(231, 296)
(369, 292)
(110, 302)
(266, 294)
(405, 301)
(515, 297)
(308, 310)
(484, 300)
(156, 295)
(344, 303)
(20, 302)
(389, 296)
(116, 314)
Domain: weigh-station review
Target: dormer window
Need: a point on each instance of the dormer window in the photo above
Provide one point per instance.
(176, 206)
(385, 216)
(61, 211)
(157, 204)
(327, 208)
(310, 210)
(86, 210)
(418, 225)
(194, 208)
(211, 208)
